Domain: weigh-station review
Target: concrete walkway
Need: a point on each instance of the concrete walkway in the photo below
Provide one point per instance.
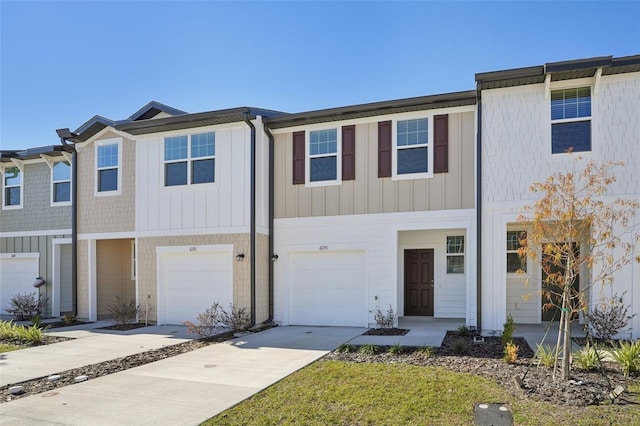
(182, 390)
(90, 345)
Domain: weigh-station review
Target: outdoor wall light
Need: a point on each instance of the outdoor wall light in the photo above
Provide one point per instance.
(240, 257)
(274, 258)
(39, 282)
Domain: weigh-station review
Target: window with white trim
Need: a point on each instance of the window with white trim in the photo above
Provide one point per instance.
(189, 159)
(412, 147)
(571, 120)
(455, 254)
(107, 171)
(61, 183)
(12, 194)
(323, 155)
(515, 241)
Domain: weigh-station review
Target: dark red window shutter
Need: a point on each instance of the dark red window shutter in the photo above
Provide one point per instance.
(298, 157)
(441, 143)
(384, 149)
(348, 152)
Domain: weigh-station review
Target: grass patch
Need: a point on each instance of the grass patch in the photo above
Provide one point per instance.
(334, 392)
(8, 348)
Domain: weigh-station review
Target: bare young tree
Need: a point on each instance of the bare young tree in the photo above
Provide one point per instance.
(575, 229)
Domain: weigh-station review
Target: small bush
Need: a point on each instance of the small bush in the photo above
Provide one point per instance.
(587, 357)
(396, 349)
(385, 320)
(37, 321)
(507, 332)
(609, 318)
(510, 353)
(26, 306)
(8, 330)
(216, 320)
(368, 349)
(31, 334)
(124, 313)
(68, 319)
(627, 355)
(459, 346)
(546, 355)
(346, 348)
(426, 351)
(236, 319)
(464, 331)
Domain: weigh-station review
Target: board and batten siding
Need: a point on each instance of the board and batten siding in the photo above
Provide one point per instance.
(222, 204)
(42, 244)
(368, 193)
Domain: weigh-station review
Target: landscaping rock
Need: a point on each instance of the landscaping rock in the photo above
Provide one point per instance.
(54, 377)
(82, 378)
(16, 390)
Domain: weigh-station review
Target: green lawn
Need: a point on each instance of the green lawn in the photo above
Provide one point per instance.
(341, 393)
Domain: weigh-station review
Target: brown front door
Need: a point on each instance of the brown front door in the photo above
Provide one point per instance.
(418, 282)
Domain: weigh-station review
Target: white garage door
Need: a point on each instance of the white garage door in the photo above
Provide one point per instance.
(17, 275)
(190, 282)
(328, 288)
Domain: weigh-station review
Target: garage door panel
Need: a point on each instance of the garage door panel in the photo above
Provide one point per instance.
(328, 288)
(16, 277)
(192, 282)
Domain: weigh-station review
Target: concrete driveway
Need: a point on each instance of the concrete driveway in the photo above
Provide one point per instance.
(183, 390)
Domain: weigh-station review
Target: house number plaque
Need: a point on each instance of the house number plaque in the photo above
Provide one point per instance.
(324, 248)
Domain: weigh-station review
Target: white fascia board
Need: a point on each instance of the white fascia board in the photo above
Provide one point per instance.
(35, 233)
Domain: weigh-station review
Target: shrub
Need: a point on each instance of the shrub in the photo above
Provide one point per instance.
(426, 351)
(587, 358)
(546, 355)
(236, 319)
(385, 320)
(215, 319)
(37, 322)
(124, 312)
(627, 355)
(368, 349)
(68, 319)
(346, 348)
(459, 346)
(396, 349)
(609, 318)
(31, 334)
(7, 330)
(510, 353)
(508, 329)
(26, 306)
(464, 331)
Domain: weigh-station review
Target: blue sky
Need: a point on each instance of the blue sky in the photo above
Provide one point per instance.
(63, 62)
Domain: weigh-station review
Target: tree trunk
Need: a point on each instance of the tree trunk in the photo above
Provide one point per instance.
(566, 346)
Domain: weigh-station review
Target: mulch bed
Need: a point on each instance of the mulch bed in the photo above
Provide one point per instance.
(124, 327)
(485, 359)
(386, 332)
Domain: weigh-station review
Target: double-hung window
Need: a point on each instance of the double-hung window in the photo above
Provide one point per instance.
(412, 146)
(108, 158)
(189, 159)
(12, 196)
(571, 120)
(516, 240)
(323, 155)
(61, 183)
(455, 255)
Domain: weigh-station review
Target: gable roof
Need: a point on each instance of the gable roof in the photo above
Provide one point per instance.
(373, 109)
(564, 70)
(152, 109)
(30, 153)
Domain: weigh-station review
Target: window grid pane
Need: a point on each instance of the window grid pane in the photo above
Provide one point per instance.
(455, 244)
(323, 142)
(61, 172)
(107, 180)
(175, 148)
(323, 168)
(175, 173)
(203, 145)
(108, 156)
(13, 177)
(571, 103)
(412, 132)
(455, 264)
(203, 171)
(412, 160)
